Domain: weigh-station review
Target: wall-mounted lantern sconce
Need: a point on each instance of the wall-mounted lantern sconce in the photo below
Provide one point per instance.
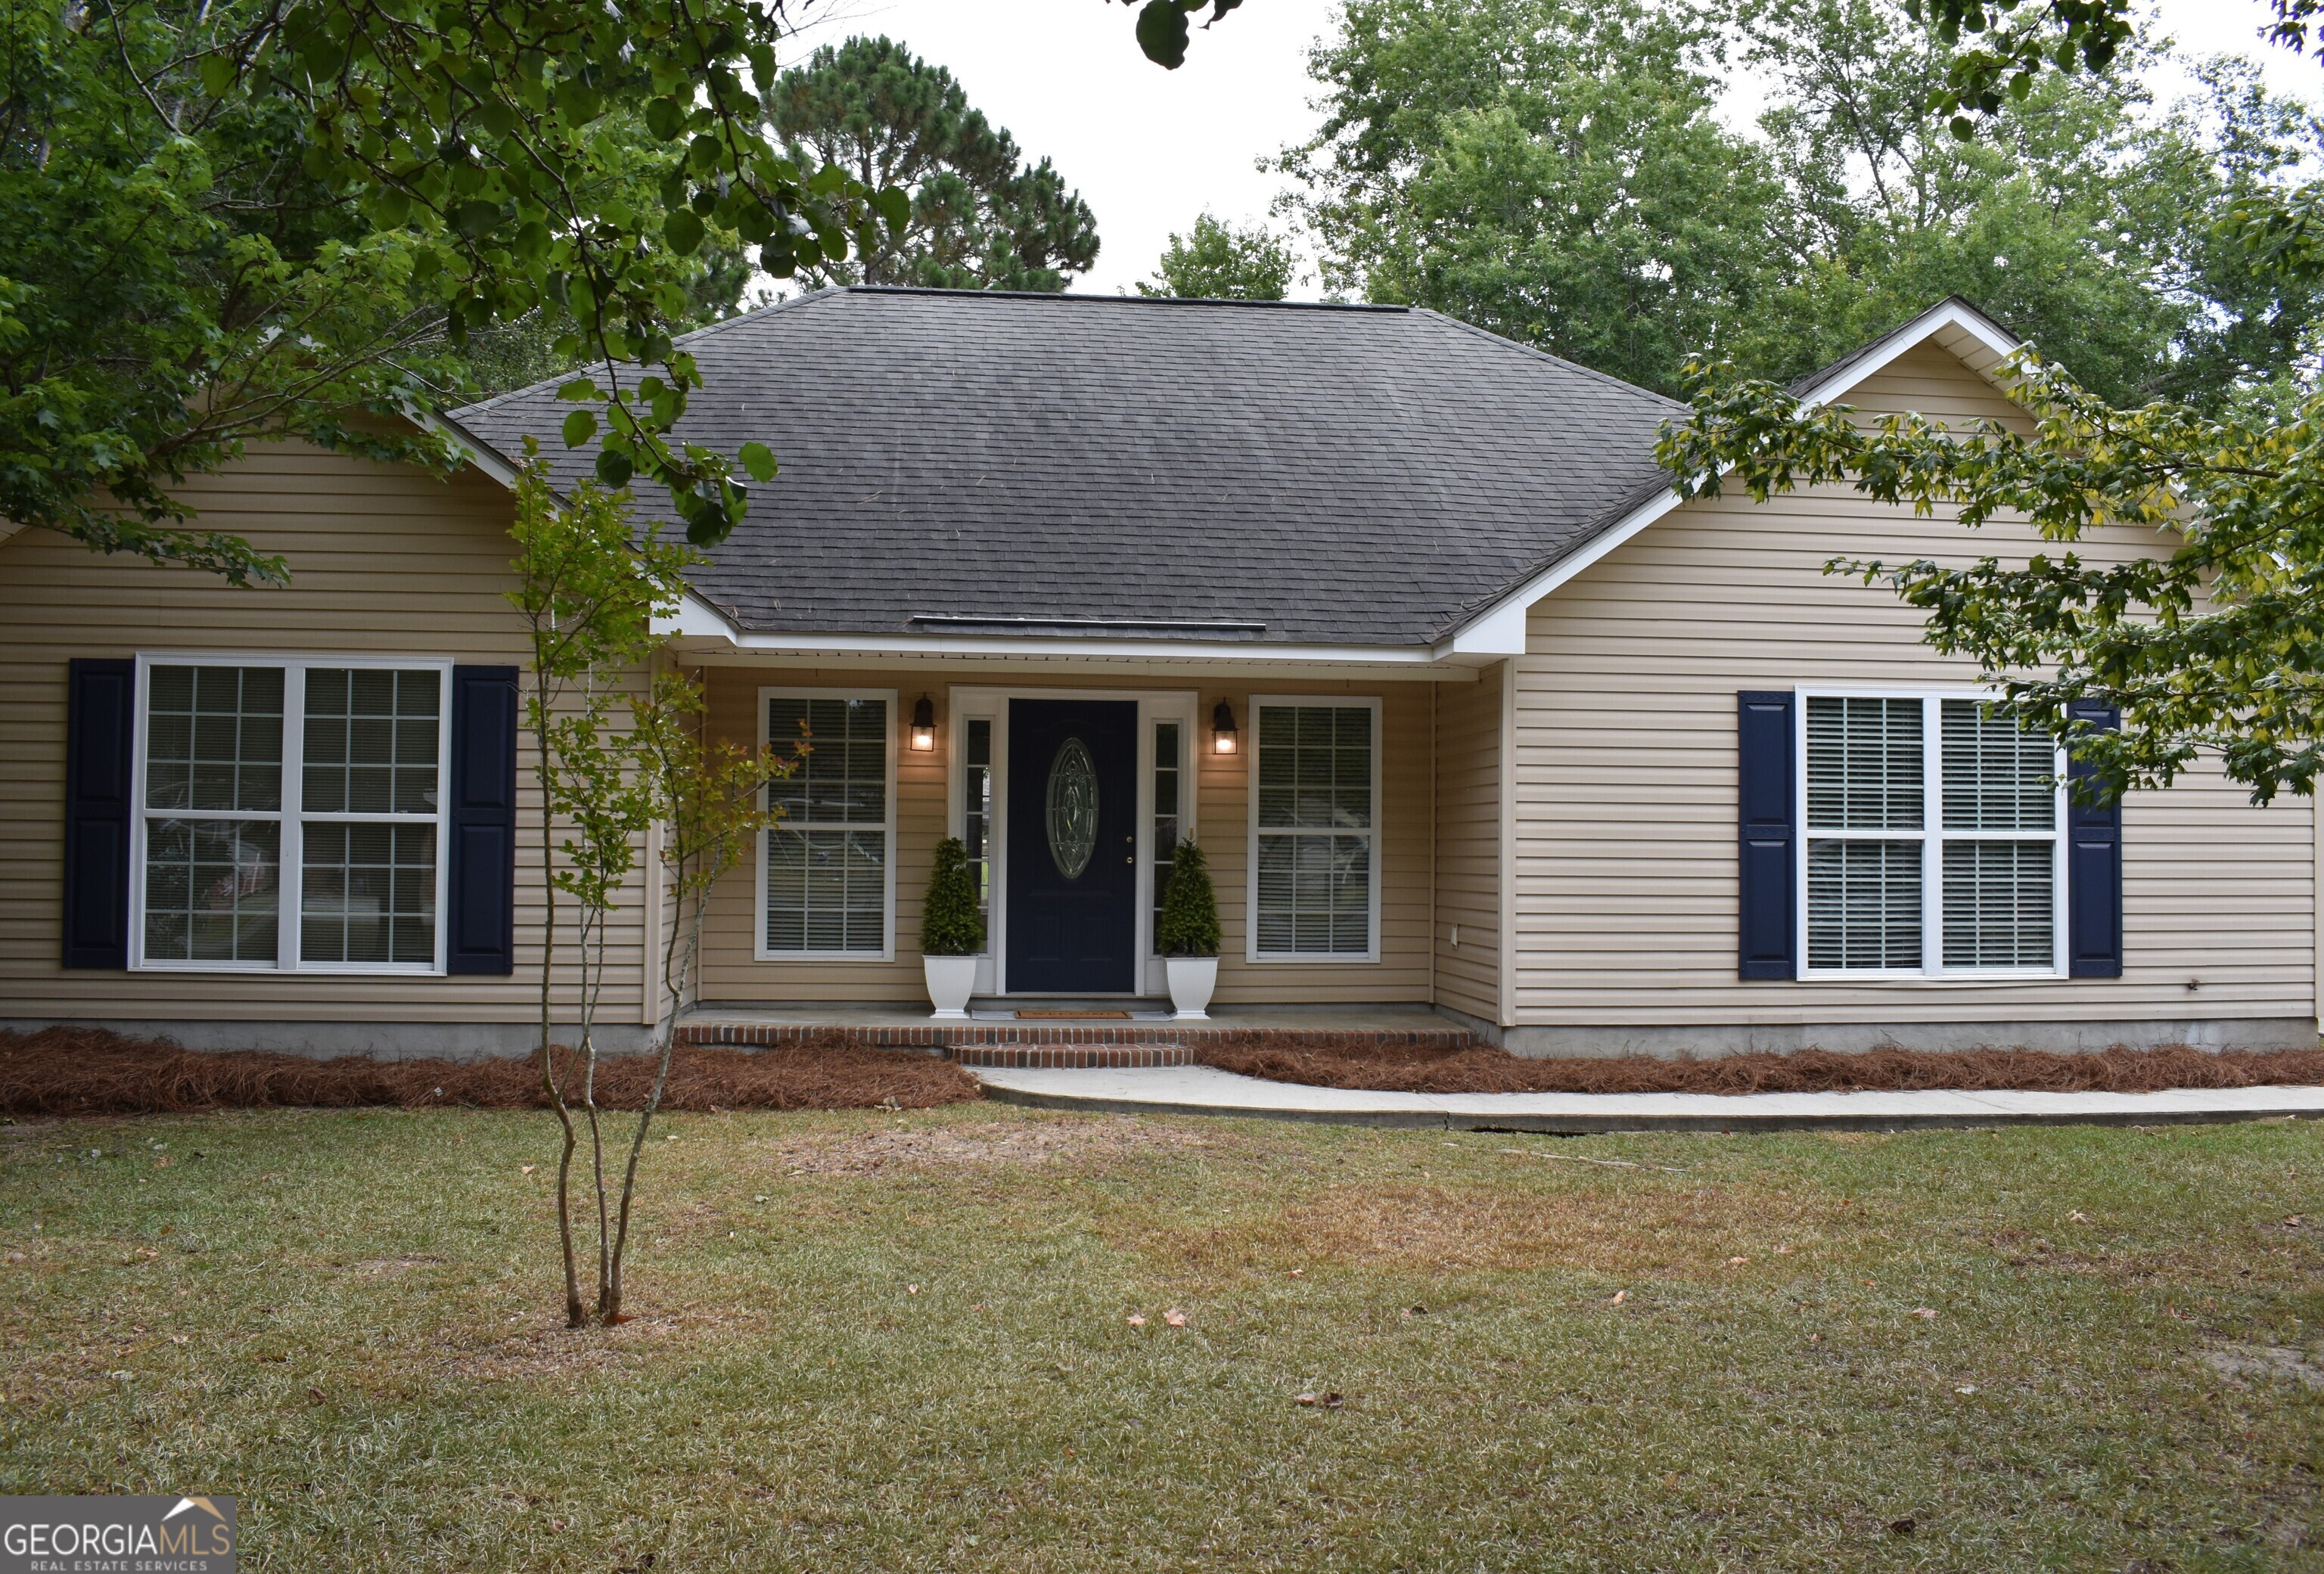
(924, 725)
(1222, 729)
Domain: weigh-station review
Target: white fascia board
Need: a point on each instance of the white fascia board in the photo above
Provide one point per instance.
(470, 447)
(1500, 628)
(697, 620)
(1949, 318)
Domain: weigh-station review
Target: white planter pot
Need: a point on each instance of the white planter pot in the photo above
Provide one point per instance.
(951, 980)
(1192, 980)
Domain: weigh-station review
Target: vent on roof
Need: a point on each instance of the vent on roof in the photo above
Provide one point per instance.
(1147, 628)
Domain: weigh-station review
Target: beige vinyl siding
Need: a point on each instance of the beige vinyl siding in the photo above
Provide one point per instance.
(1626, 740)
(1469, 845)
(383, 561)
(735, 975)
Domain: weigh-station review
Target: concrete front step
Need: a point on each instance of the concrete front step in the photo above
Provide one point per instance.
(1068, 1057)
(941, 1038)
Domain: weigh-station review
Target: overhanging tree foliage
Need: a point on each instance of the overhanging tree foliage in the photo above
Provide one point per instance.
(233, 221)
(2214, 643)
(981, 217)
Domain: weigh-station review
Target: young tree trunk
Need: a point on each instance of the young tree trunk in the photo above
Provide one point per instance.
(576, 1313)
(678, 978)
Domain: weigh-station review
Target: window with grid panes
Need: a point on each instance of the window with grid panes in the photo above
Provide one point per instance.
(1167, 821)
(222, 813)
(1931, 837)
(976, 815)
(827, 861)
(1315, 829)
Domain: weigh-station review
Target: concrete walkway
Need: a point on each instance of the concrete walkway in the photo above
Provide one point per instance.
(1206, 1091)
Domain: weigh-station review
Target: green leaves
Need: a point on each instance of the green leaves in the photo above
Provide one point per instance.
(580, 425)
(2190, 594)
(759, 460)
(1162, 32)
(682, 231)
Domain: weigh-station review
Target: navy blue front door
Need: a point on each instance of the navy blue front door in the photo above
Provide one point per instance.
(1072, 847)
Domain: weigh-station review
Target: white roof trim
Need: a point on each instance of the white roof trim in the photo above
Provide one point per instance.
(698, 621)
(1982, 344)
(470, 447)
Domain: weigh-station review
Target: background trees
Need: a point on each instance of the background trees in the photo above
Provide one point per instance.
(1221, 262)
(1561, 174)
(980, 217)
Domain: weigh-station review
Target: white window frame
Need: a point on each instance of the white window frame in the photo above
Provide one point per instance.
(887, 952)
(1931, 836)
(293, 817)
(1251, 953)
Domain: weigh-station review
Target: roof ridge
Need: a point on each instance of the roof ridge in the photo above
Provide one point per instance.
(1095, 299)
(1518, 345)
(686, 337)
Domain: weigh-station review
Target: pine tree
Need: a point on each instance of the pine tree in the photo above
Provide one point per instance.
(982, 218)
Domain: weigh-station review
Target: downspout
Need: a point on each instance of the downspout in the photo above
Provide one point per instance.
(1508, 969)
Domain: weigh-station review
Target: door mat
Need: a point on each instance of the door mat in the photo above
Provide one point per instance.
(1073, 1016)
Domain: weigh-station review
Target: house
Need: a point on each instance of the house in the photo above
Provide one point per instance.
(1396, 618)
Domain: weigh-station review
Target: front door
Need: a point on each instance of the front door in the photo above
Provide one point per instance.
(1072, 847)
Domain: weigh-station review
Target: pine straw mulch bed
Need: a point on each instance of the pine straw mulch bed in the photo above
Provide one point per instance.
(76, 1072)
(1487, 1070)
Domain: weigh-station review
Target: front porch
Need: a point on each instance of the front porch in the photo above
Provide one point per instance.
(1350, 818)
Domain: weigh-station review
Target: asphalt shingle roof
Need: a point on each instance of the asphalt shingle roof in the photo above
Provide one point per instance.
(992, 463)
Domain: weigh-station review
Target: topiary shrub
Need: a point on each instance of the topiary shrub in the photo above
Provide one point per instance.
(1189, 925)
(949, 926)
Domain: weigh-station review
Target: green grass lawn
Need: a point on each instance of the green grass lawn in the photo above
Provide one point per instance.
(872, 1341)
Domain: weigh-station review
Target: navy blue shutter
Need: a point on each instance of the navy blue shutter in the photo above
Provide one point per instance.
(2093, 865)
(484, 821)
(1770, 897)
(100, 751)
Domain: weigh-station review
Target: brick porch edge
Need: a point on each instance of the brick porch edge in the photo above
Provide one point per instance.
(938, 1038)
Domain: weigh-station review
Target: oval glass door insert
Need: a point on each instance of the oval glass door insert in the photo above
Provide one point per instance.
(1073, 808)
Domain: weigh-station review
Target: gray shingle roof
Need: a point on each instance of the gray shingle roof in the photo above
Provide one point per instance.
(992, 463)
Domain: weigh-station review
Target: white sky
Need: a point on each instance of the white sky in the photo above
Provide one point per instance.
(1149, 148)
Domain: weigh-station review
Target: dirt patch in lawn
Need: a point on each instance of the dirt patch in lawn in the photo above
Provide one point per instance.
(81, 1071)
(1487, 1070)
(1679, 1231)
(955, 1147)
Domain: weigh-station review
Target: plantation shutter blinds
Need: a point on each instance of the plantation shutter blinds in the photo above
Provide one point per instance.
(100, 749)
(1865, 821)
(1999, 888)
(2093, 865)
(1769, 925)
(483, 854)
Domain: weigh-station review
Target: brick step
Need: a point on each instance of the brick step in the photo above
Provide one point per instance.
(1074, 1057)
(943, 1036)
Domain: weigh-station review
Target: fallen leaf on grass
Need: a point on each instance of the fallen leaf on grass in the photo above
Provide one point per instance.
(1736, 1262)
(1297, 1272)
(1923, 1312)
(1137, 1319)
(527, 1169)
(314, 1394)
(1175, 1318)
(1966, 1388)
(1620, 1296)
(2079, 1217)
(1905, 1526)
(1331, 1400)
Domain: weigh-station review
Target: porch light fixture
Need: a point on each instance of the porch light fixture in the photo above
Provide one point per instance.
(924, 725)
(1222, 729)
